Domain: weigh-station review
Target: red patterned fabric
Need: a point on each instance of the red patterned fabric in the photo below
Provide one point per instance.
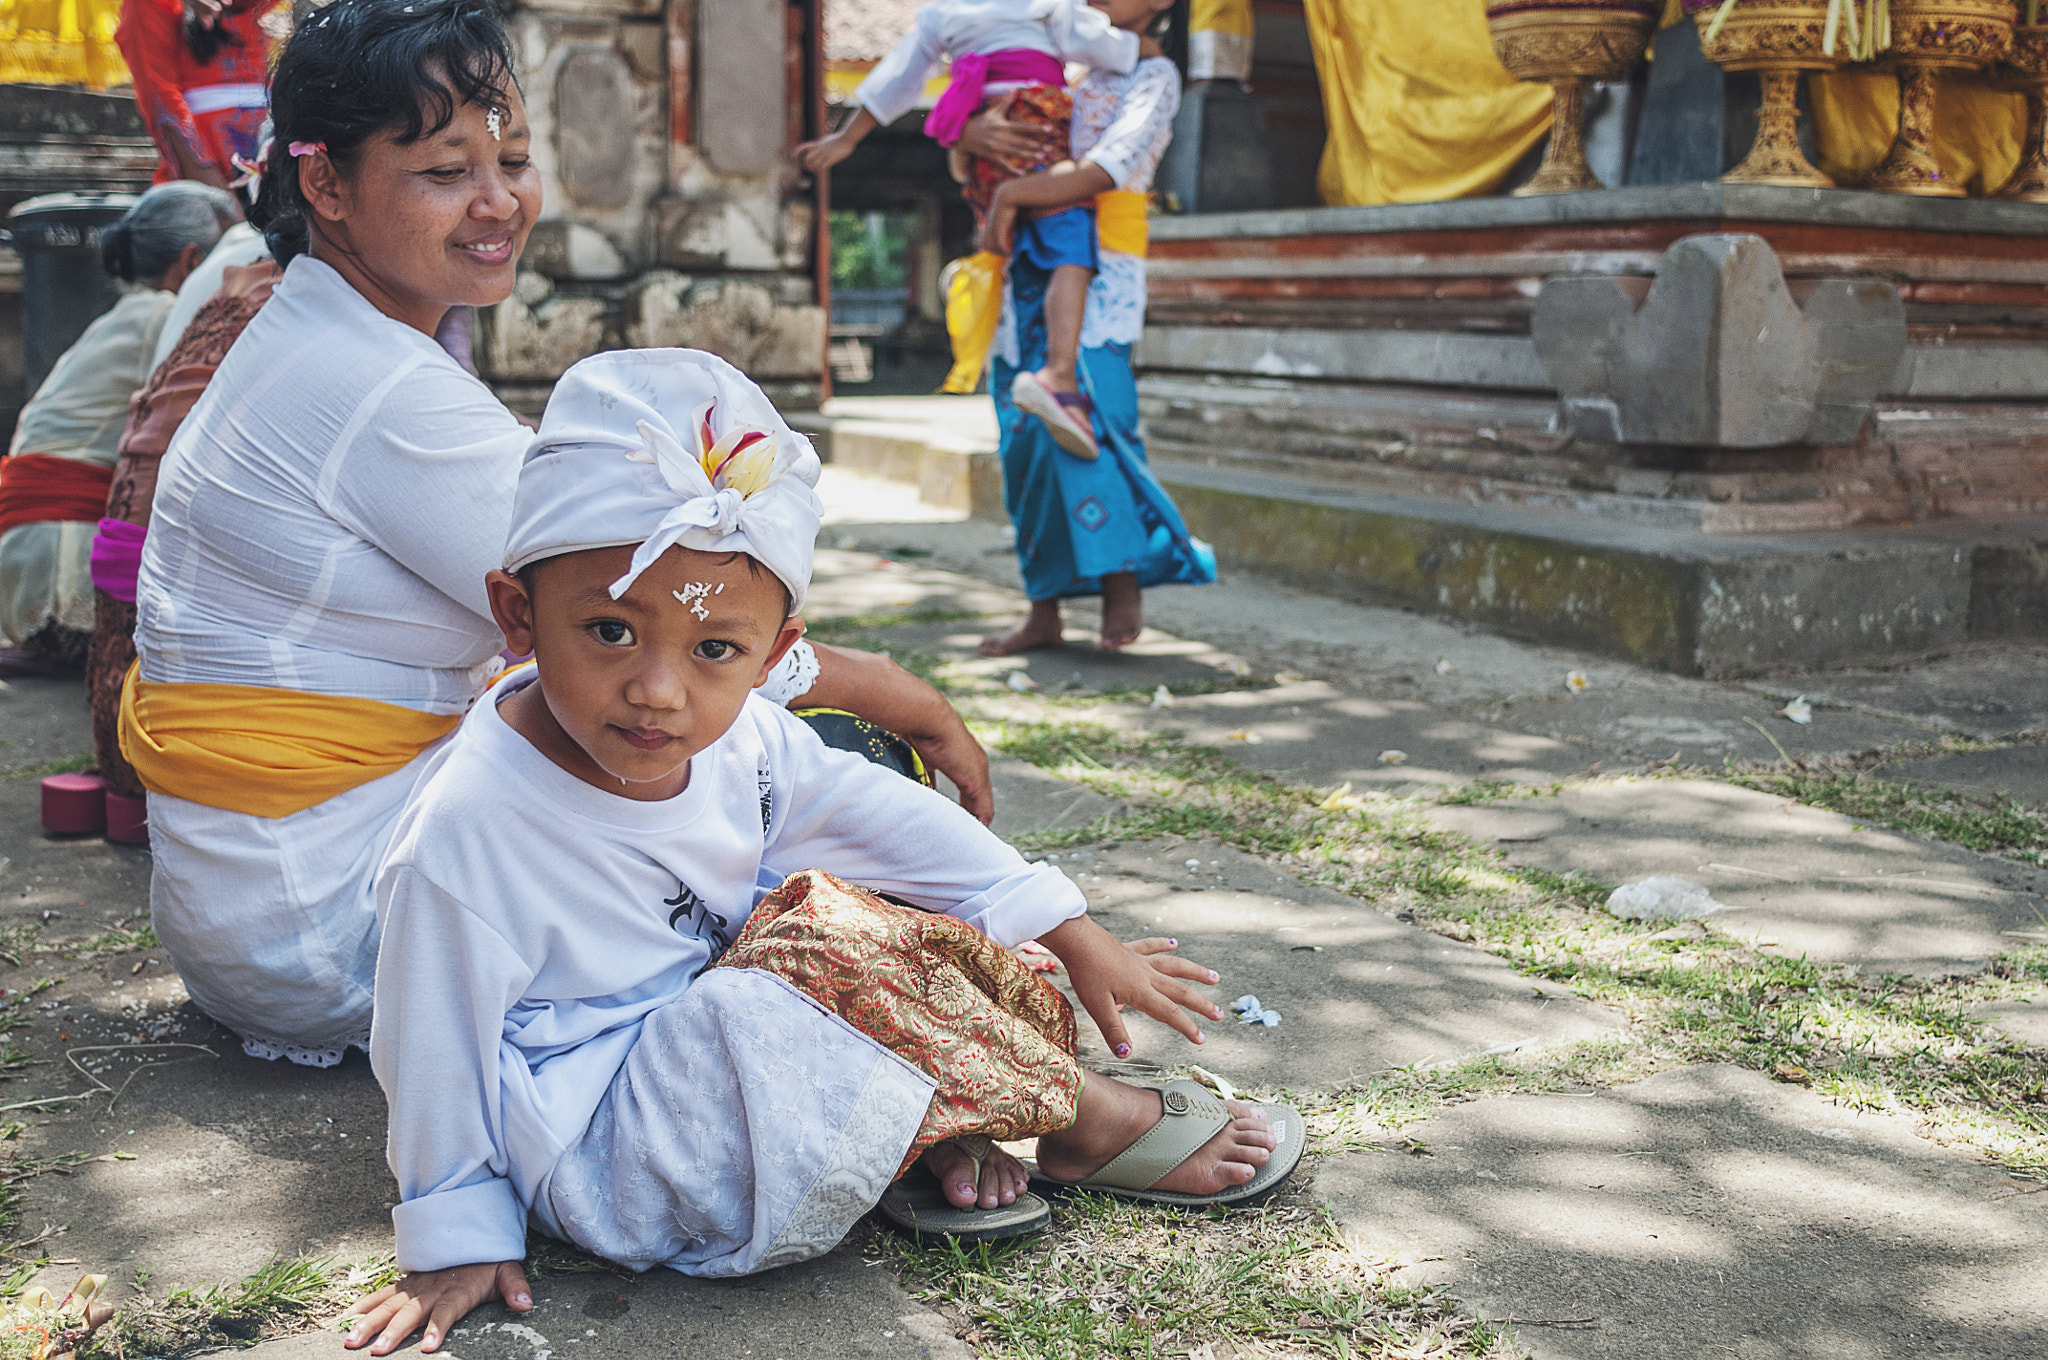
(37, 488)
(933, 990)
(1042, 106)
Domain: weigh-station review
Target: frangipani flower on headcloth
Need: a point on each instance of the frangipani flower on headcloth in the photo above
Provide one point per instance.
(659, 448)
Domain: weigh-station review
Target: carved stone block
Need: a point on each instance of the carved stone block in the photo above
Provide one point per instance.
(1718, 350)
(534, 335)
(742, 113)
(742, 323)
(595, 107)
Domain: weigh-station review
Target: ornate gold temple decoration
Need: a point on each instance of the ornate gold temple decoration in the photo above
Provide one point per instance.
(1777, 39)
(2025, 68)
(1929, 36)
(1567, 45)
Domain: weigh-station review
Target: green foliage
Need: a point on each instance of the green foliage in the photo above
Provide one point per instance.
(869, 250)
(1992, 823)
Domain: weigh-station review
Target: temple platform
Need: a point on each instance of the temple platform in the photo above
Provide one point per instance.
(1409, 405)
(1467, 408)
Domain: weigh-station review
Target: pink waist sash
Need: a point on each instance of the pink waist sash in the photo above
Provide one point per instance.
(971, 75)
(117, 557)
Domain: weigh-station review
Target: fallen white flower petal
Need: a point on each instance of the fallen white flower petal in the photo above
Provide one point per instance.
(1021, 682)
(1393, 757)
(1798, 711)
(1247, 736)
(1444, 667)
(1576, 681)
(1162, 697)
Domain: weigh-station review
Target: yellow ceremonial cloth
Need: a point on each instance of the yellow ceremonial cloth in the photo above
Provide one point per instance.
(60, 42)
(1221, 16)
(1123, 221)
(1418, 106)
(265, 752)
(1978, 132)
(974, 303)
(974, 285)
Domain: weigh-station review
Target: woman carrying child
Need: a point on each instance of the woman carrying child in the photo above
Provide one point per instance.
(596, 1010)
(1103, 526)
(1015, 50)
(311, 615)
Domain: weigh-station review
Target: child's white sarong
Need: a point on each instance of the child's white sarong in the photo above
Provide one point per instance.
(748, 1128)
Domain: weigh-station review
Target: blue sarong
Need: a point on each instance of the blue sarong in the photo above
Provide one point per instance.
(1079, 521)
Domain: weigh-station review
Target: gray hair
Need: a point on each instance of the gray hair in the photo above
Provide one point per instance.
(143, 245)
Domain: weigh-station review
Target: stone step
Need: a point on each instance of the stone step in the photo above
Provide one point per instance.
(1657, 593)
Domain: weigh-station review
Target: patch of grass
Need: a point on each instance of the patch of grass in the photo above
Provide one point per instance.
(1691, 994)
(117, 941)
(283, 1298)
(63, 765)
(1115, 1280)
(1991, 823)
(836, 628)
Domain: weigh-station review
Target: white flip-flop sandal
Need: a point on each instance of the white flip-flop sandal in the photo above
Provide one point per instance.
(1192, 1116)
(1069, 416)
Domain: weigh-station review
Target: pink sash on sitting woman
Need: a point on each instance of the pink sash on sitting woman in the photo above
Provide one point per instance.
(971, 75)
(117, 557)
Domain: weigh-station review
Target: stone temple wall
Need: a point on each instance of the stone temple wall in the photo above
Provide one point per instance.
(673, 214)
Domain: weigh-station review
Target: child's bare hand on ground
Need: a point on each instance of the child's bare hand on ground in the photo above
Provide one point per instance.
(1145, 975)
(439, 1298)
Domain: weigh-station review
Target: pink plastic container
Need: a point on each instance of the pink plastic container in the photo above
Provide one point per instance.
(74, 804)
(127, 819)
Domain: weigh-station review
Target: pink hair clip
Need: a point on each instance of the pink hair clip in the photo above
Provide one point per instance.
(306, 148)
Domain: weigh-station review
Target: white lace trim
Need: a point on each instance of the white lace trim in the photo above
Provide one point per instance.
(794, 677)
(270, 1050)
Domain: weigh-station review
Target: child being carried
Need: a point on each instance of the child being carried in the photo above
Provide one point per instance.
(1019, 49)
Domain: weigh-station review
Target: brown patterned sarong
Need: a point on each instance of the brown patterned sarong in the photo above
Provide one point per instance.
(933, 990)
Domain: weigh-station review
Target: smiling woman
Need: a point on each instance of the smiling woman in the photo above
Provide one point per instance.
(311, 614)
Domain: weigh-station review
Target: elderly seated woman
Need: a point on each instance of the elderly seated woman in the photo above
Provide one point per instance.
(53, 482)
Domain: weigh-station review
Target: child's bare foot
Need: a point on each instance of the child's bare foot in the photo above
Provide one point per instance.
(1123, 611)
(1059, 381)
(1041, 628)
(1003, 1177)
(1114, 1115)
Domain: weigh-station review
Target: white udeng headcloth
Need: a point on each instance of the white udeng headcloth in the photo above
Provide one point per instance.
(662, 447)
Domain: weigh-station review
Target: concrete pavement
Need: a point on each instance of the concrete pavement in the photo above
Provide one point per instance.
(1797, 1228)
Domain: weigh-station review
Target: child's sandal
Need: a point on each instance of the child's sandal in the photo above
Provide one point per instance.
(917, 1204)
(1191, 1117)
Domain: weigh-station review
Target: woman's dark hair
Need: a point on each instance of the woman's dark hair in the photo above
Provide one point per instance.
(144, 244)
(359, 67)
(1170, 31)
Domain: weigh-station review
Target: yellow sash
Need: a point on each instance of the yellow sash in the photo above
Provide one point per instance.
(1120, 221)
(265, 752)
(974, 285)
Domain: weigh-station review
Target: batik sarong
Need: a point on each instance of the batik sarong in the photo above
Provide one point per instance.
(933, 990)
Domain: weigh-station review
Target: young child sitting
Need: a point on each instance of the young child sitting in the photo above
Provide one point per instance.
(599, 1013)
(1017, 48)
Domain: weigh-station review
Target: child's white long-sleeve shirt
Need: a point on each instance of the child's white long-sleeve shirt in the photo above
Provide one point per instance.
(1070, 30)
(531, 923)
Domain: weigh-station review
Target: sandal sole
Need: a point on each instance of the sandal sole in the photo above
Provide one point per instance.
(930, 1215)
(1034, 398)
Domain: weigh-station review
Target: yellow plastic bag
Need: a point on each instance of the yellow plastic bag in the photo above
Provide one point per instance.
(974, 303)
